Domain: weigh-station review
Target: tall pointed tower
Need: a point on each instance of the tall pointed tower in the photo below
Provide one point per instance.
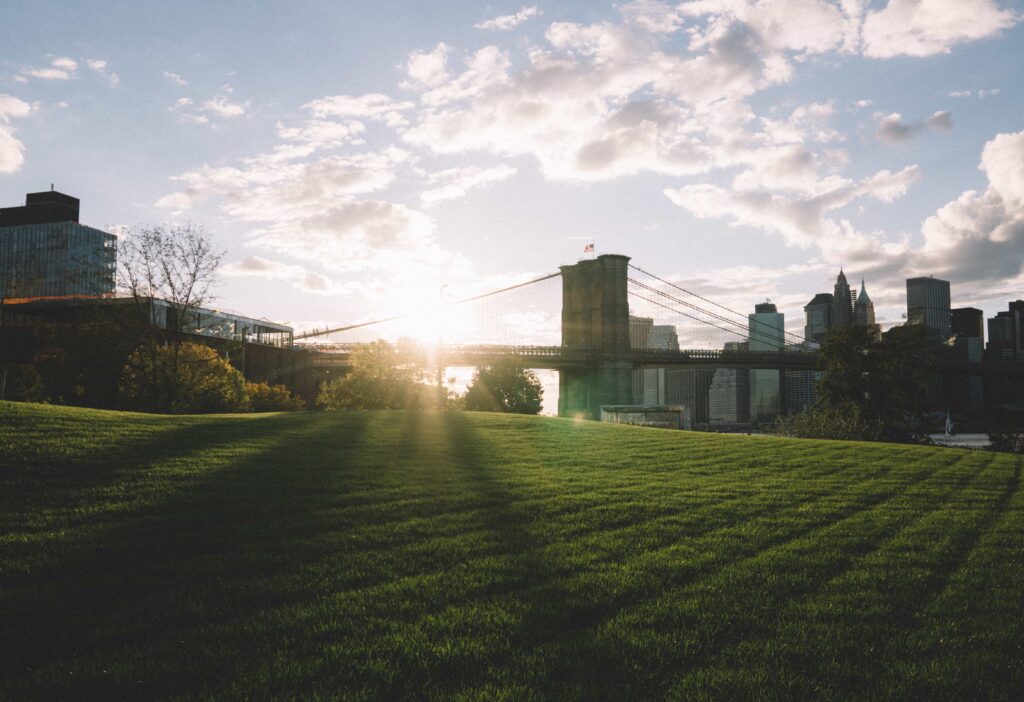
(864, 310)
(842, 303)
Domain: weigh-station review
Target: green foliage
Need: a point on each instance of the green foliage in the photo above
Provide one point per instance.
(1006, 431)
(383, 376)
(504, 387)
(20, 381)
(883, 383)
(191, 378)
(843, 422)
(444, 556)
(264, 397)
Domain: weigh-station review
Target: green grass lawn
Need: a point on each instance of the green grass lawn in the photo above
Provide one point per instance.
(393, 555)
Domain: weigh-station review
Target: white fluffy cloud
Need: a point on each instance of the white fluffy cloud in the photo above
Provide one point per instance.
(11, 150)
(980, 235)
(506, 22)
(927, 27)
(801, 220)
(60, 68)
(454, 183)
(372, 106)
(428, 69)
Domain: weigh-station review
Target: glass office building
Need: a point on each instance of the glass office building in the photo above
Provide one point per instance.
(46, 253)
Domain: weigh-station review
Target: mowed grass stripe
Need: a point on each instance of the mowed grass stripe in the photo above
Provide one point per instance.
(427, 556)
(883, 590)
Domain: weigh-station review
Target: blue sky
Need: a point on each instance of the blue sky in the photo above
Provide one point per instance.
(353, 157)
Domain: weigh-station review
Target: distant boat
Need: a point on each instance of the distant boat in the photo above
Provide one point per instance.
(949, 425)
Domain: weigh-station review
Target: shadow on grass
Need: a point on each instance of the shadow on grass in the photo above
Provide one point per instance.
(129, 613)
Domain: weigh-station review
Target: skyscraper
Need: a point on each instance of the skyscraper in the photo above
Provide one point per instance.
(928, 304)
(662, 337)
(639, 332)
(842, 303)
(968, 322)
(1006, 333)
(818, 317)
(766, 327)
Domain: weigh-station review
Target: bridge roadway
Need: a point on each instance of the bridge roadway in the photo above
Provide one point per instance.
(562, 357)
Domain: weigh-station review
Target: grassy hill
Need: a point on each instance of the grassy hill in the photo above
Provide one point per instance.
(389, 555)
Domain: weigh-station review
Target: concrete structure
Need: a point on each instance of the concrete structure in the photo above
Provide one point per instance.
(595, 320)
(842, 303)
(46, 253)
(928, 304)
(662, 417)
(818, 317)
(690, 387)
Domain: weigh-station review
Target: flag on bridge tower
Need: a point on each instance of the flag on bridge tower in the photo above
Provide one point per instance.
(589, 248)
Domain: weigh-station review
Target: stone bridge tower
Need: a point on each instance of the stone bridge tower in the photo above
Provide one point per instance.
(595, 319)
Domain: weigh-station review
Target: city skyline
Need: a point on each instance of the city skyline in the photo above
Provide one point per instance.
(748, 154)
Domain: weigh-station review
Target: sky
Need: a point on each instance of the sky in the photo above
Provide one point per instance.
(362, 159)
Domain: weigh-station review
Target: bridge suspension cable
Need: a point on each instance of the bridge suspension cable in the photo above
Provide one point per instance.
(798, 339)
(684, 314)
(360, 325)
(761, 335)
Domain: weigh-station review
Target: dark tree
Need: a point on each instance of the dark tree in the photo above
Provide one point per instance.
(884, 382)
(504, 387)
(175, 264)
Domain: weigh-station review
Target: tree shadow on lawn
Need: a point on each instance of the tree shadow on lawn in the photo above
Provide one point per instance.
(130, 611)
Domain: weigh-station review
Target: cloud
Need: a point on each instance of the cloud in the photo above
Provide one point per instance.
(300, 278)
(893, 129)
(61, 68)
(802, 220)
(175, 78)
(428, 69)
(928, 27)
(652, 16)
(455, 183)
(12, 151)
(99, 66)
(505, 23)
(374, 106)
(980, 235)
(223, 107)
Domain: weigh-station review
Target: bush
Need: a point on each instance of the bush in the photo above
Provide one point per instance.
(383, 376)
(504, 388)
(844, 422)
(1006, 431)
(20, 382)
(204, 382)
(264, 397)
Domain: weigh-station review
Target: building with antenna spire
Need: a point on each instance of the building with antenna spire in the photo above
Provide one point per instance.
(842, 303)
(864, 310)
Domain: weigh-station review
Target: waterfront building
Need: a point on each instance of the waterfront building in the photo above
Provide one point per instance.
(729, 392)
(45, 253)
(842, 303)
(766, 328)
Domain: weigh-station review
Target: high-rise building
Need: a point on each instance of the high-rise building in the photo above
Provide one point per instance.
(967, 322)
(928, 304)
(729, 393)
(864, 308)
(818, 317)
(661, 337)
(842, 303)
(1006, 333)
(46, 253)
(766, 327)
(639, 332)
